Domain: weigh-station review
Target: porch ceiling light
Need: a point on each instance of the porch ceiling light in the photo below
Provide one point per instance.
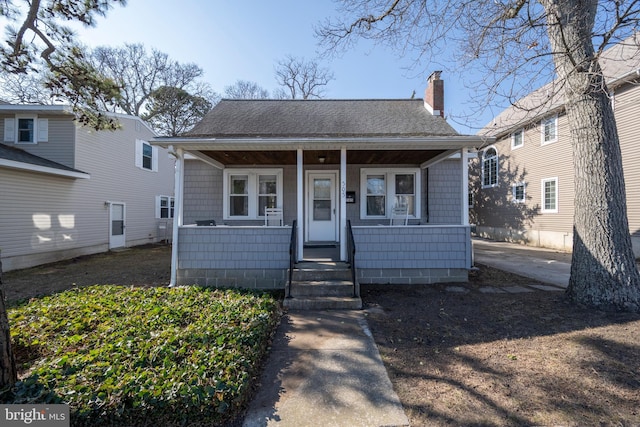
(322, 159)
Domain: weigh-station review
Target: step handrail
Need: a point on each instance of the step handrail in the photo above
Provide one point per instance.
(293, 254)
(351, 254)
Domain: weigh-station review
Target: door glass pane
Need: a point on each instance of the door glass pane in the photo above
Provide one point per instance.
(322, 210)
(117, 220)
(322, 189)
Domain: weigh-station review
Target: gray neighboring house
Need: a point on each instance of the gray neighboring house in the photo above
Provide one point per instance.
(524, 186)
(331, 166)
(68, 190)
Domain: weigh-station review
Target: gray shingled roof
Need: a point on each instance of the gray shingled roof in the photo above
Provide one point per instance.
(17, 155)
(320, 118)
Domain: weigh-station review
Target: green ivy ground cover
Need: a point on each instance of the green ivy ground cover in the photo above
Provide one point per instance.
(142, 356)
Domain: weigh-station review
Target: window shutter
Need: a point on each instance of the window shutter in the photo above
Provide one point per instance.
(43, 130)
(158, 206)
(9, 130)
(154, 159)
(138, 153)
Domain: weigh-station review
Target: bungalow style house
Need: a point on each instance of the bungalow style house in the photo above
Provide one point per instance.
(263, 185)
(524, 182)
(68, 190)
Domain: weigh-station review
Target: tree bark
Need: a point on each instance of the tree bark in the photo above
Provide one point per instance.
(603, 270)
(8, 372)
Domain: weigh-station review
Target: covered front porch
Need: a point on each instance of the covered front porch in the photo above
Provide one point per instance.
(326, 191)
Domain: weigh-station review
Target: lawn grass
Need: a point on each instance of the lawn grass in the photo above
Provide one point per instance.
(142, 356)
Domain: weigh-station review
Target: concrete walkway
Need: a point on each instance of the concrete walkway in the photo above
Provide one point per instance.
(545, 265)
(324, 369)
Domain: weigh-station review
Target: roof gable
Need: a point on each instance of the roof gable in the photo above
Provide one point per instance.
(319, 118)
(620, 64)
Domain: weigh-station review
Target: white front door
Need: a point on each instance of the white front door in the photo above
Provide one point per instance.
(322, 224)
(116, 225)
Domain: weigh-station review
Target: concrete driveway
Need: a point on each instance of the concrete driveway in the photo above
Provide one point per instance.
(546, 265)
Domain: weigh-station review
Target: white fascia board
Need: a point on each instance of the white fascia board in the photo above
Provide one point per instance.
(364, 143)
(47, 109)
(12, 164)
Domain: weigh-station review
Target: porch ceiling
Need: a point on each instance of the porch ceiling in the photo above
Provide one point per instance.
(312, 157)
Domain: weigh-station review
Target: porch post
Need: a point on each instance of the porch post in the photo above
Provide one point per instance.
(177, 215)
(300, 206)
(464, 158)
(343, 203)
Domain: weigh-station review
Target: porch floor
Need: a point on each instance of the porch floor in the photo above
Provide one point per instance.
(325, 252)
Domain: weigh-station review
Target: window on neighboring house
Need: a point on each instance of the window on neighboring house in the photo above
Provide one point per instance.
(146, 156)
(518, 192)
(549, 129)
(26, 129)
(165, 207)
(550, 195)
(517, 139)
(382, 190)
(490, 168)
(248, 192)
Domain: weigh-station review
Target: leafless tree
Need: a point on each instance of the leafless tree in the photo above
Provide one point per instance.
(139, 73)
(301, 79)
(519, 43)
(244, 89)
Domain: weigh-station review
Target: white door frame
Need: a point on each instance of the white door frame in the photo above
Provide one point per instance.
(335, 201)
(118, 240)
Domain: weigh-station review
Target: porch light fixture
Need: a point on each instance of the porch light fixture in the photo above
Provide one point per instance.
(322, 159)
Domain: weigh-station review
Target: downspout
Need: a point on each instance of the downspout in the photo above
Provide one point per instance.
(177, 220)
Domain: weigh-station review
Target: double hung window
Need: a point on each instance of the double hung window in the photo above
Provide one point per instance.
(549, 130)
(382, 190)
(550, 195)
(248, 192)
(165, 207)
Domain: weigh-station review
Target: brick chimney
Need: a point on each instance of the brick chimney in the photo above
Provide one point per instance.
(434, 94)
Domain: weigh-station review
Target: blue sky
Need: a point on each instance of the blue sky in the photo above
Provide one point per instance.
(243, 39)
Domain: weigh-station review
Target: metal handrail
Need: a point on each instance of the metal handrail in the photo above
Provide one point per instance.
(351, 253)
(293, 254)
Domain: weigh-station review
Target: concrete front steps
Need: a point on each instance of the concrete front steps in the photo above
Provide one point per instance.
(322, 286)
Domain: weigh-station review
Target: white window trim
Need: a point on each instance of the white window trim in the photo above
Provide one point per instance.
(495, 184)
(159, 207)
(139, 157)
(40, 129)
(542, 200)
(253, 175)
(513, 139)
(524, 192)
(543, 123)
(390, 183)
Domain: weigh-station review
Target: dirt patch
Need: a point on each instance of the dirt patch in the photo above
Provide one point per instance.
(148, 265)
(463, 355)
(496, 351)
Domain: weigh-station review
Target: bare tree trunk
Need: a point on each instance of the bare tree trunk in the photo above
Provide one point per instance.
(603, 269)
(8, 372)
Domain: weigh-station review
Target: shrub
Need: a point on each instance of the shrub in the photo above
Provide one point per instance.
(142, 356)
